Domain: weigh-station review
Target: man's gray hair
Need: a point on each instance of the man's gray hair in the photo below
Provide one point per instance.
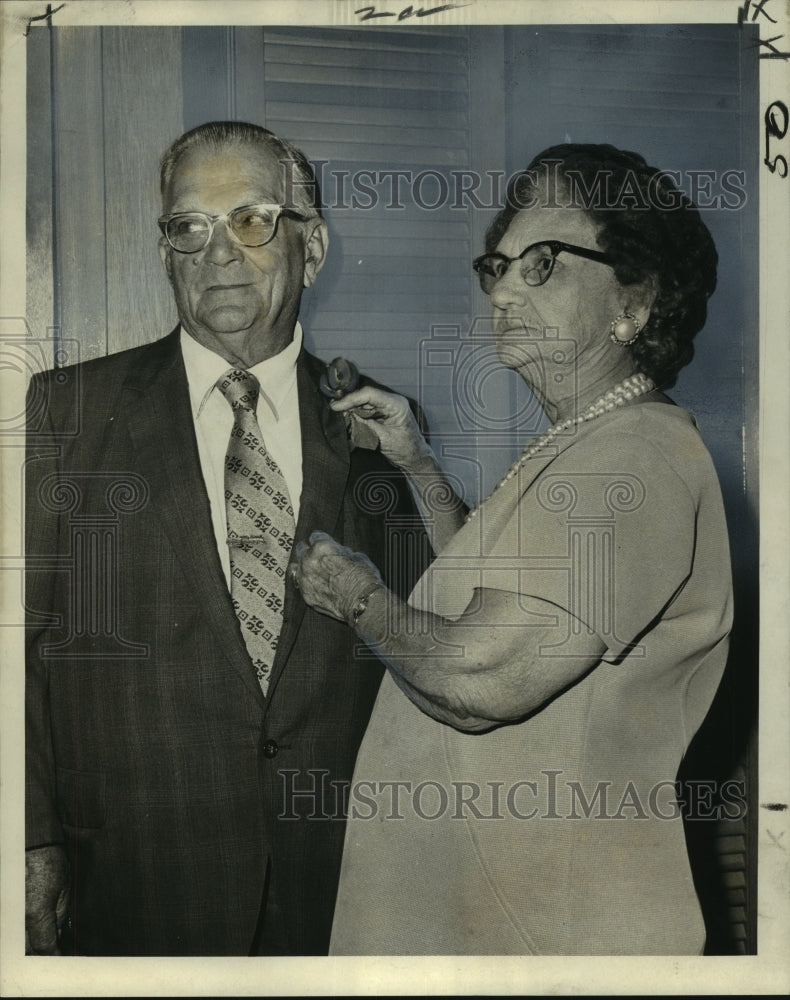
(300, 183)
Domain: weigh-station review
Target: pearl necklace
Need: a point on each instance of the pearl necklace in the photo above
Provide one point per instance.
(619, 395)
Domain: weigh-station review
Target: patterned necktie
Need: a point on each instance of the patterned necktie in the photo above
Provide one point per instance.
(260, 525)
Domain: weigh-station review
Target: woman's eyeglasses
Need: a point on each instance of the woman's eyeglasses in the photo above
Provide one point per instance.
(536, 263)
(252, 225)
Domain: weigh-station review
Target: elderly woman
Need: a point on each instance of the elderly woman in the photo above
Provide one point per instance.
(514, 793)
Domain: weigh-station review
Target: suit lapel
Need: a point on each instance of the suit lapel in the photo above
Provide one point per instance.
(325, 467)
(159, 416)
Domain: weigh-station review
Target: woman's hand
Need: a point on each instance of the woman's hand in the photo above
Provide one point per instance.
(384, 419)
(331, 577)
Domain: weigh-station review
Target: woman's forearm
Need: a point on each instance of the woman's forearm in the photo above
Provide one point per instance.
(440, 507)
(500, 659)
(491, 666)
(406, 642)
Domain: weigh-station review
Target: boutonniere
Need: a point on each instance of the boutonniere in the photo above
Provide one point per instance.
(340, 378)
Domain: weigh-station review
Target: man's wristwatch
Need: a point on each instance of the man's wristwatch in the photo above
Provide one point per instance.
(359, 606)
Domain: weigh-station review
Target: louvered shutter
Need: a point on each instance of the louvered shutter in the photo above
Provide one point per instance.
(366, 105)
(373, 103)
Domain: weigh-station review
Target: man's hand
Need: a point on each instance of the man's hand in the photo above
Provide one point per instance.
(384, 419)
(331, 577)
(46, 898)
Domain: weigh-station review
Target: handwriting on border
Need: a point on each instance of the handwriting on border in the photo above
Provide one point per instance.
(369, 13)
(46, 16)
(757, 8)
(777, 119)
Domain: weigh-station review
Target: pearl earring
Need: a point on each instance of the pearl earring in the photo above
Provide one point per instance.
(625, 329)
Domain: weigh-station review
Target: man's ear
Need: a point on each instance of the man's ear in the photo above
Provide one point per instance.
(166, 254)
(315, 248)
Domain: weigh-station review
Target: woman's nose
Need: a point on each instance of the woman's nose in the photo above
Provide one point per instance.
(510, 290)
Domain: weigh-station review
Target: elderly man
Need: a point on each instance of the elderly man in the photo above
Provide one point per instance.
(190, 723)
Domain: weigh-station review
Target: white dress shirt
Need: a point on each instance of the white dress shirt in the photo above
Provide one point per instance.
(278, 417)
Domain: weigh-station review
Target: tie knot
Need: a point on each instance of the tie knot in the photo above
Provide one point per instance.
(240, 388)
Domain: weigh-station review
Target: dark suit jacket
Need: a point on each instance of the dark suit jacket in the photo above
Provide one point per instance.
(151, 751)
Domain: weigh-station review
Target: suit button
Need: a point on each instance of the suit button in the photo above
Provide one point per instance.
(270, 748)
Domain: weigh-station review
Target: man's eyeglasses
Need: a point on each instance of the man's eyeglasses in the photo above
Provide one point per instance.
(537, 262)
(252, 225)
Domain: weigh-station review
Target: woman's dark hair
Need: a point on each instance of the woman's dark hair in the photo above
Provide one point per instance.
(650, 228)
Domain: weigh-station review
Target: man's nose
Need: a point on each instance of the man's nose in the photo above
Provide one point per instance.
(222, 248)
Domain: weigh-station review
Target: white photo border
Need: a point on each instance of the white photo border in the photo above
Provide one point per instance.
(769, 971)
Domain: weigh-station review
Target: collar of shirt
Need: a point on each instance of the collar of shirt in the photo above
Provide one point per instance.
(204, 367)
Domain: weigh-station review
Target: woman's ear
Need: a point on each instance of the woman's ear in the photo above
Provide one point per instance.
(639, 299)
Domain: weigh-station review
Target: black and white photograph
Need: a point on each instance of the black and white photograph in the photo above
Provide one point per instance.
(395, 497)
